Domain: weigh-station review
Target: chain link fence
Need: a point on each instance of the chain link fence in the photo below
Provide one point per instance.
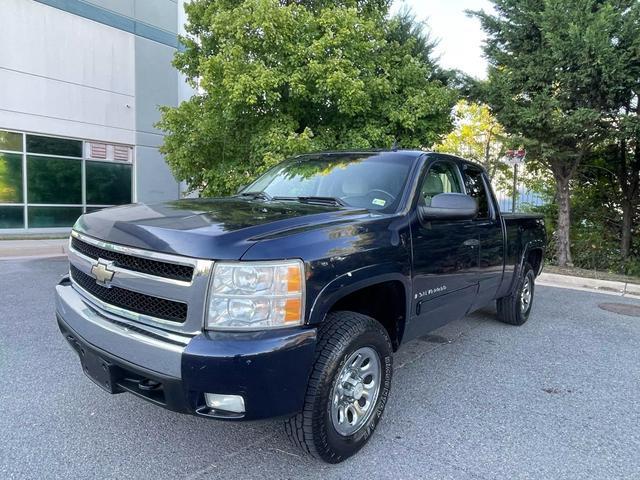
(519, 196)
(525, 199)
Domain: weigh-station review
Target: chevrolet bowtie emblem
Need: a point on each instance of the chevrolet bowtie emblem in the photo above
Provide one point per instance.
(102, 273)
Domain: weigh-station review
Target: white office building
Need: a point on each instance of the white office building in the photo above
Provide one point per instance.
(80, 86)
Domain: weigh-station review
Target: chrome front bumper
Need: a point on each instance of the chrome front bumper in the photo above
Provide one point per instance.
(149, 348)
(268, 369)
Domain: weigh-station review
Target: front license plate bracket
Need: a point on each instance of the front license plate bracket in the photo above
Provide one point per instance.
(100, 371)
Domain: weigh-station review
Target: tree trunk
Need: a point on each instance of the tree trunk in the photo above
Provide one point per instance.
(563, 196)
(629, 179)
(627, 224)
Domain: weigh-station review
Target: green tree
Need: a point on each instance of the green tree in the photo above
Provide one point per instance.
(477, 135)
(626, 164)
(275, 78)
(599, 199)
(554, 80)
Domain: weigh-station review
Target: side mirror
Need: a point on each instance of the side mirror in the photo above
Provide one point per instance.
(449, 206)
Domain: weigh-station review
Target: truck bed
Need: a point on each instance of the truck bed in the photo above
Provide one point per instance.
(517, 216)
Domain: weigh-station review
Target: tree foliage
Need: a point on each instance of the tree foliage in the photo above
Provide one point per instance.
(275, 78)
(597, 218)
(477, 135)
(554, 79)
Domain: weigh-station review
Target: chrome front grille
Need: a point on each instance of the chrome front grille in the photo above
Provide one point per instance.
(157, 289)
(130, 300)
(137, 264)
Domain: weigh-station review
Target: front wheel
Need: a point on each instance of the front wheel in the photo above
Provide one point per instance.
(348, 388)
(515, 308)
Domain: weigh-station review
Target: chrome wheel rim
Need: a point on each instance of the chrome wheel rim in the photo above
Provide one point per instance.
(525, 295)
(355, 391)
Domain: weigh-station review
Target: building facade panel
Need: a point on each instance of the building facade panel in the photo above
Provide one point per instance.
(54, 99)
(100, 12)
(154, 181)
(50, 43)
(157, 13)
(156, 82)
(55, 126)
(121, 7)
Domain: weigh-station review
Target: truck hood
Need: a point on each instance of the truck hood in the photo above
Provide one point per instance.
(213, 228)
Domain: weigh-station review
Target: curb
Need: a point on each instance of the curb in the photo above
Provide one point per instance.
(32, 249)
(43, 256)
(589, 284)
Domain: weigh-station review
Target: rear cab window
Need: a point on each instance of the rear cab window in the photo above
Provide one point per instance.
(475, 187)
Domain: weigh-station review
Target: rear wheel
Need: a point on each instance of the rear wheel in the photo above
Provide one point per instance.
(348, 388)
(514, 309)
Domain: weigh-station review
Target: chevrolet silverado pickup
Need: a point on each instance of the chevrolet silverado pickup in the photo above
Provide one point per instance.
(289, 298)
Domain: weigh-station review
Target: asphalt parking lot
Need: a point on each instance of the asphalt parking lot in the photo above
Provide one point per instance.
(556, 398)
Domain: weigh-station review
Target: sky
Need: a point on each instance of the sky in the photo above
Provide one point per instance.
(460, 37)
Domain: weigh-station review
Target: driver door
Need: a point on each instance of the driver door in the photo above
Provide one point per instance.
(445, 256)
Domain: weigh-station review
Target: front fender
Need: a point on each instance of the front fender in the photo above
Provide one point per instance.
(353, 281)
(342, 258)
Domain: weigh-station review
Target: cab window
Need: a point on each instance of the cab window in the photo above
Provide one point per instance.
(475, 187)
(442, 177)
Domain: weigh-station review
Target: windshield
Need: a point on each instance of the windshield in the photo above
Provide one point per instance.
(372, 180)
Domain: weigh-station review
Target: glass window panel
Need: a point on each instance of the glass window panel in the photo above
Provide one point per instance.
(442, 177)
(476, 189)
(11, 217)
(10, 141)
(11, 178)
(54, 180)
(54, 146)
(108, 183)
(45, 217)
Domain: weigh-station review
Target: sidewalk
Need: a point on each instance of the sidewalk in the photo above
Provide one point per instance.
(622, 289)
(36, 248)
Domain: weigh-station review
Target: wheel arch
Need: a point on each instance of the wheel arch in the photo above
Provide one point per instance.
(384, 297)
(534, 256)
(533, 250)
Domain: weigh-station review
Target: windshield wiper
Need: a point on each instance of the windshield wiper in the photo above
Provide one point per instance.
(314, 199)
(303, 199)
(262, 195)
(327, 200)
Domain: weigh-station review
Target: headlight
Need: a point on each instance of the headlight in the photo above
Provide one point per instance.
(256, 295)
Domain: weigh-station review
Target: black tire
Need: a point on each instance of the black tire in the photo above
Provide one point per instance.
(312, 429)
(510, 308)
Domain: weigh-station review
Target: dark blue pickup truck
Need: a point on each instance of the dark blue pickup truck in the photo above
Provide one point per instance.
(289, 298)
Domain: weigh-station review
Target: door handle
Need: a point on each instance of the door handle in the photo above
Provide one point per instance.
(472, 242)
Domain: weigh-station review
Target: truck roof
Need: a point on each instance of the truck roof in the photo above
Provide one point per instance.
(415, 153)
(408, 152)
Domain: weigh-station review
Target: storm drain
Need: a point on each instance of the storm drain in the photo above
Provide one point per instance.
(628, 309)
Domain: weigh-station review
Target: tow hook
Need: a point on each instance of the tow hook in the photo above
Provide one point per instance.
(148, 385)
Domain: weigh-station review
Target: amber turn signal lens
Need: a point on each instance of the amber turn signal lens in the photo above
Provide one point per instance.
(292, 310)
(294, 280)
